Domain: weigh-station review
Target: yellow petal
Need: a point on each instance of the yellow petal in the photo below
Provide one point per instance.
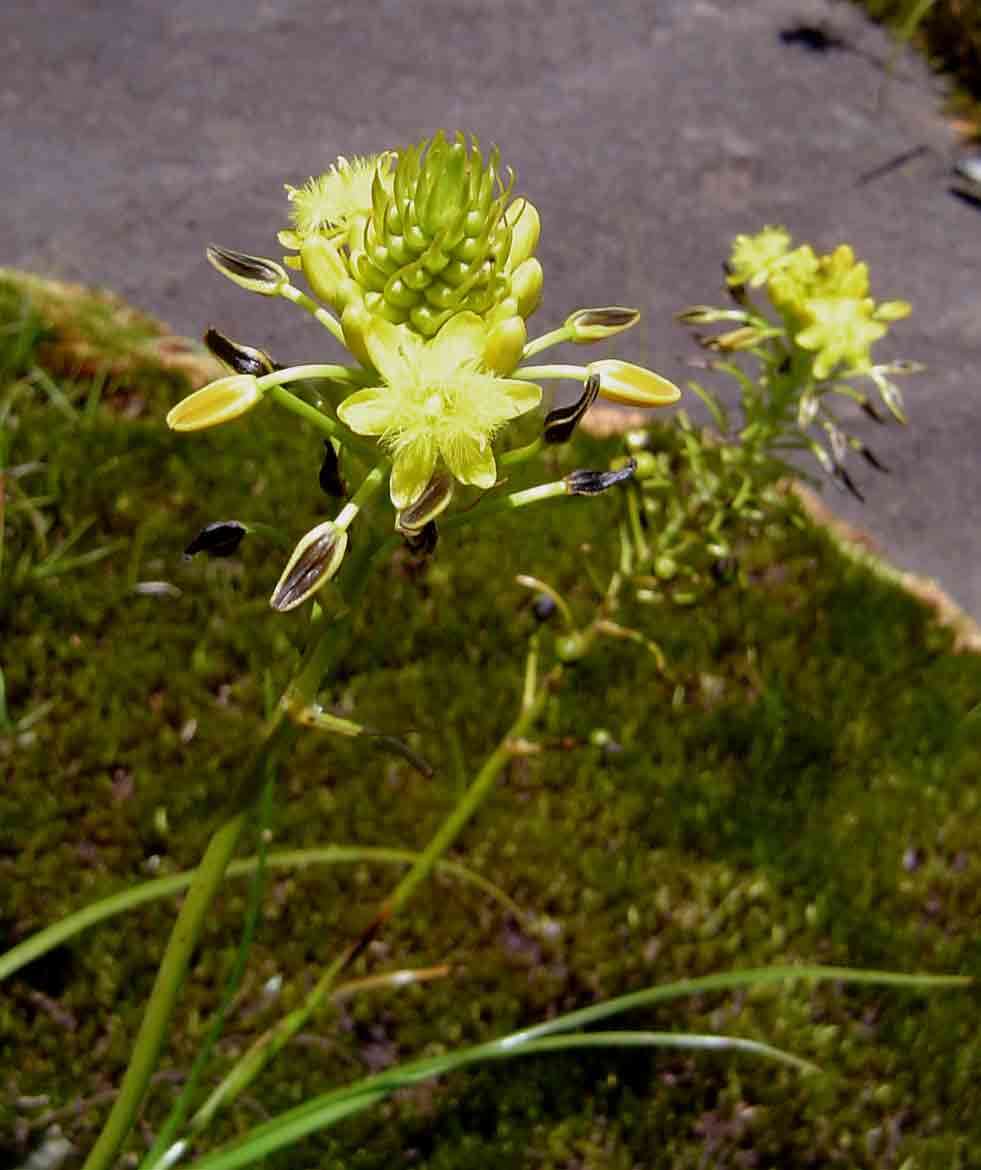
(524, 396)
(633, 385)
(412, 470)
(216, 403)
(471, 461)
(461, 340)
(393, 349)
(367, 412)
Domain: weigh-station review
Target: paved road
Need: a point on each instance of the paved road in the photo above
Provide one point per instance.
(648, 134)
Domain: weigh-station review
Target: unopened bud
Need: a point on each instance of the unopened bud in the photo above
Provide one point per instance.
(560, 424)
(632, 385)
(215, 403)
(504, 345)
(588, 325)
(316, 559)
(243, 359)
(591, 483)
(736, 339)
(526, 227)
(526, 286)
(326, 272)
(254, 273)
(220, 539)
(435, 499)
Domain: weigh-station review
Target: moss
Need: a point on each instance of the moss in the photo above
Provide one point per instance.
(804, 788)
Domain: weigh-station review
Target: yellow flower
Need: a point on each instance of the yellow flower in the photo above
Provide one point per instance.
(841, 330)
(755, 258)
(328, 203)
(438, 402)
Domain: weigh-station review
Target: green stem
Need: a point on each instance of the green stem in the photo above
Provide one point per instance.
(268, 1046)
(521, 454)
(277, 738)
(323, 422)
(170, 976)
(544, 373)
(547, 340)
(318, 312)
(181, 1107)
(324, 371)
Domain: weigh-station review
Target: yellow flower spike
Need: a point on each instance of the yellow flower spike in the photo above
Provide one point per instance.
(316, 559)
(526, 286)
(216, 403)
(755, 258)
(632, 385)
(505, 345)
(435, 402)
(588, 325)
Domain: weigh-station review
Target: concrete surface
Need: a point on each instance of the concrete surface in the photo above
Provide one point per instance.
(648, 132)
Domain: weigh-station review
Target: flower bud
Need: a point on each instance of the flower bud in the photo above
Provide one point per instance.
(220, 539)
(254, 273)
(326, 272)
(435, 499)
(526, 226)
(632, 385)
(505, 345)
(588, 325)
(591, 483)
(243, 359)
(892, 310)
(561, 423)
(526, 285)
(216, 403)
(316, 559)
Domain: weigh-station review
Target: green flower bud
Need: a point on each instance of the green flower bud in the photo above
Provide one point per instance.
(316, 559)
(505, 345)
(526, 227)
(439, 236)
(526, 285)
(589, 325)
(254, 273)
(325, 272)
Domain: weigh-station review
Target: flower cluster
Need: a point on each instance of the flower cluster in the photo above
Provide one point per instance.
(422, 266)
(823, 301)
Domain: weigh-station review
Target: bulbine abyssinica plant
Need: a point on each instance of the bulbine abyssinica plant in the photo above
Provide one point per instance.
(797, 358)
(420, 263)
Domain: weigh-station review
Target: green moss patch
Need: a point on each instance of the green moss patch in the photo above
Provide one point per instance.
(804, 788)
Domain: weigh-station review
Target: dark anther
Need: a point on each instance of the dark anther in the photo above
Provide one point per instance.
(422, 543)
(243, 359)
(723, 570)
(331, 481)
(220, 539)
(873, 413)
(543, 607)
(591, 483)
(813, 37)
(560, 423)
(784, 366)
(842, 477)
(871, 457)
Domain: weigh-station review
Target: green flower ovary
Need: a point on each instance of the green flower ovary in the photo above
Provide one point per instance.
(438, 238)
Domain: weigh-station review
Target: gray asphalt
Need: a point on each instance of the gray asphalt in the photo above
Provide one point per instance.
(648, 133)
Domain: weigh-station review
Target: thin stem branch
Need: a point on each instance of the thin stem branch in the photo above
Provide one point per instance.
(318, 312)
(323, 422)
